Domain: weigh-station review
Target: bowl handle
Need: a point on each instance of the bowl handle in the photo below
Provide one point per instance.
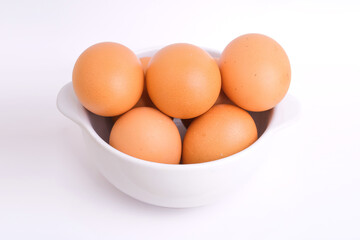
(68, 104)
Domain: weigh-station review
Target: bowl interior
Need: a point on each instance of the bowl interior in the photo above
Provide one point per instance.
(103, 125)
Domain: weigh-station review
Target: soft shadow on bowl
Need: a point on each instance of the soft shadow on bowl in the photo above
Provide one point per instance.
(101, 125)
(262, 120)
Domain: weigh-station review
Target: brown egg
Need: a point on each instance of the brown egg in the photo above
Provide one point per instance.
(255, 72)
(222, 131)
(144, 100)
(108, 79)
(148, 134)
(183, 80)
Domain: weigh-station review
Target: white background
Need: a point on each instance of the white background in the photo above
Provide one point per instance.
(309, 187)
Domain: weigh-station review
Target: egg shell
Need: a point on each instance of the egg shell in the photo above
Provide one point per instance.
(144, 100)
(255, 72)
(183, 80)
(148, 134)
(108, 79)
(222, 131)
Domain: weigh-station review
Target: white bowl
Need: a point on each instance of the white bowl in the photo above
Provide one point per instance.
(177, 186)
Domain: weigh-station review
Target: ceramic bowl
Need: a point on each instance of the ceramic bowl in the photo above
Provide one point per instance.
(176, 186)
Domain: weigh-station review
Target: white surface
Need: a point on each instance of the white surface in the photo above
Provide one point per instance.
(308, 188)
